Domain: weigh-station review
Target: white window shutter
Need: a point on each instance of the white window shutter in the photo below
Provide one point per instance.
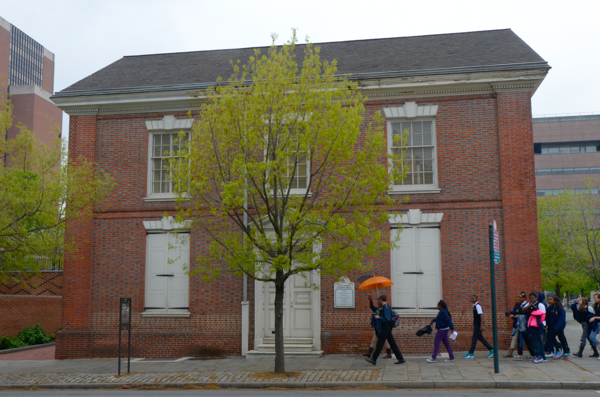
(156, 263)
(179, 256)
(404, 261)
(429, 288)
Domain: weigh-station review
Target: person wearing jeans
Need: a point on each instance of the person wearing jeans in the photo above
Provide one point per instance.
(443, 324)
(535, 326)
(582, 313)
(595, 323)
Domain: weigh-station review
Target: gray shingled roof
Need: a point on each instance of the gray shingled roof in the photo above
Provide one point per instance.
(401, 56)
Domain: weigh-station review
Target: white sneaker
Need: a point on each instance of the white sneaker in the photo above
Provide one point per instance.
(451, 360)
(431, 360)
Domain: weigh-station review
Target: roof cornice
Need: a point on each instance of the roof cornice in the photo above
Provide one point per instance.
(353, 76)
(380, 87)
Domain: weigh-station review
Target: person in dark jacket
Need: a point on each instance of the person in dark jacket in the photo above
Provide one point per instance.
(582, 313)
(478, 330)
(376, 330)
(443, 324)
(386, 322)
(556, 327)
(551, 345)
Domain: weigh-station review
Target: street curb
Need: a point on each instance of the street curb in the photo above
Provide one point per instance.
(441, 384)
(20, 349)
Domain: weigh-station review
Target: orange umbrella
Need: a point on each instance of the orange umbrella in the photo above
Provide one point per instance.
(376, 283)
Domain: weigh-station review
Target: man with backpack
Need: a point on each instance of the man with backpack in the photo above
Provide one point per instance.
(387, 321)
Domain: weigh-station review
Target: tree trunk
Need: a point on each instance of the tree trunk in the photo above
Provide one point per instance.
(557, 291)
(279, 353)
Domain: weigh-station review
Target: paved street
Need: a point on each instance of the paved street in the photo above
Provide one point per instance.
(307, 393)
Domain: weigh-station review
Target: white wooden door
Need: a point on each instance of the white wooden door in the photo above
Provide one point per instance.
(297, 307)
(429, 283)
(167, 283)
(416, 269)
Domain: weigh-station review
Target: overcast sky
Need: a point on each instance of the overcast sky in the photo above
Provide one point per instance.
(87, 35)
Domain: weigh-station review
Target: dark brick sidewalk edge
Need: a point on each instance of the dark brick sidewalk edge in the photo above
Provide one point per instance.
(441, 384)
(20, 349)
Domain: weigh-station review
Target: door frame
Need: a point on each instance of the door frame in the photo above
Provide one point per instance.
(260, 311)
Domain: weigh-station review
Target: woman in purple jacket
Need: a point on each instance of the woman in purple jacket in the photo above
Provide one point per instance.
(443, 324)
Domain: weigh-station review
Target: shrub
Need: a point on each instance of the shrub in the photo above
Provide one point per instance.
(27, 337)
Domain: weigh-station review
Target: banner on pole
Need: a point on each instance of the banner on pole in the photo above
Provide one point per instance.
(496, 243)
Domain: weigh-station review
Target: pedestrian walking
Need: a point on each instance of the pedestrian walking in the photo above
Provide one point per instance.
(556, 327)
(443, 324)
(386, 323)
(551, 346)
(582, 313)
(535, 326)
(514, 316)
(375, 325)
(595, 329)
(522, 327)
(478, 330)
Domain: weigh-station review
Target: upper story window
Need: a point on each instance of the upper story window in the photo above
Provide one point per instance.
(567, 147)
(164, 144)
(420, 156)
(165, 147)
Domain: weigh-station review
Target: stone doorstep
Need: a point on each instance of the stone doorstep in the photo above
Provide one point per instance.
(441, 384)
(20, 349)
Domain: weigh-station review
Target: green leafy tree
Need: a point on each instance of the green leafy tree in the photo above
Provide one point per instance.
(40, 191)
(284, 174)
(569, 230)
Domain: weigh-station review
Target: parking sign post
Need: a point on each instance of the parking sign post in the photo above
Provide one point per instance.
(494, 242)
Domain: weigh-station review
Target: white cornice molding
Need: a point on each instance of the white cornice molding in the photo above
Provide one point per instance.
(374, 89)
(415, 217)
(410, 110)
(169, 123)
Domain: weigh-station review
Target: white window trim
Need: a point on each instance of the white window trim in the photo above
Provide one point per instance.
(168, 124)
(165, 225)
(414, 217)
(410, 111)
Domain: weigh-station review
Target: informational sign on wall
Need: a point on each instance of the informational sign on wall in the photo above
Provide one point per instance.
(343, 294)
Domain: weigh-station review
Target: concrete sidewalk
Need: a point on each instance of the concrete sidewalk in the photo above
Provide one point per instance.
(327, 371)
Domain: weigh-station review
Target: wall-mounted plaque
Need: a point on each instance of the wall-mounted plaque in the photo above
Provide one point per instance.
(343, 295)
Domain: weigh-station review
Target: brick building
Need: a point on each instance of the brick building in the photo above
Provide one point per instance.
(466, 98)
(27, 75)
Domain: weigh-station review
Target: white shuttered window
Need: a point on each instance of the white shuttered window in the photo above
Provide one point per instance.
(167, 283)
(417, 269)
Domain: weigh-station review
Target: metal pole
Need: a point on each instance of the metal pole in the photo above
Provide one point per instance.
(129, 348)
(119, 353)
(493, 282)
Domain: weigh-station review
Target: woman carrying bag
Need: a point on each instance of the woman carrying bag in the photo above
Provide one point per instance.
(443, 324)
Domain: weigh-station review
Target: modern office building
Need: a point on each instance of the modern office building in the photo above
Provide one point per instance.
(567, 153)
(27, 74)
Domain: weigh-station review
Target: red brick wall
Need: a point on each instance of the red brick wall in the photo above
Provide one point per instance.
(476, 163)
(20, 312)
(45, 283)
(75, 335)
(521, 249)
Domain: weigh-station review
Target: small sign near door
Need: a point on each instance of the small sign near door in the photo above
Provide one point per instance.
(343, 295)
